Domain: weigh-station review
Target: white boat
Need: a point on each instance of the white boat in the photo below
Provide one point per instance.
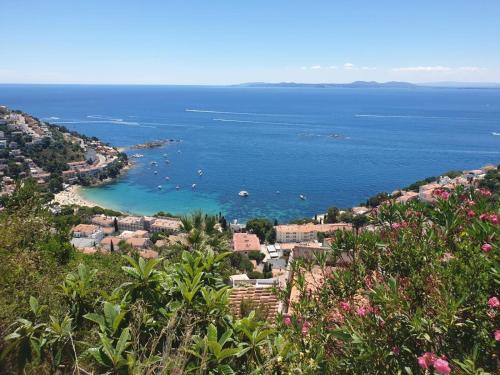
(177, 187)
(495, 133)
(154, 163)
(200, 172)
(137, 155)
(277, 191)
(165, 155)
(160, 187)
(303, 197)
(155, 172)
(167, 178)
(193, 186)
(243, 193)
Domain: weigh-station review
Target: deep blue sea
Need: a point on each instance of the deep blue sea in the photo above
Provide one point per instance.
(335, 146)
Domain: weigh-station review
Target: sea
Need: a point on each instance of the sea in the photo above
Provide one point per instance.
(333, 146)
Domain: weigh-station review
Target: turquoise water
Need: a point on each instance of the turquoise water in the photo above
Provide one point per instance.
(335, 146)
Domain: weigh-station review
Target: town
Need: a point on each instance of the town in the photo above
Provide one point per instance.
(51, 155)
(271, 260)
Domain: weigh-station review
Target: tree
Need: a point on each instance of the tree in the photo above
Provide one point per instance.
(263, 228)
(332, 215)
(112, 247)
(359, 221)
(115, 223)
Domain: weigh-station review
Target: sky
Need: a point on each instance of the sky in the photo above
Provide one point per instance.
(235, 41)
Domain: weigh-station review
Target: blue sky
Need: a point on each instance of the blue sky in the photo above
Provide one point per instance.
(221, 42)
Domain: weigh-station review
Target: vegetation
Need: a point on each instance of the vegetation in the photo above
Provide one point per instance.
(263, 228)
(419, 295)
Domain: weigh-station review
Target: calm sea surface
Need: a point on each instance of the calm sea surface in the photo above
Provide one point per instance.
(334, 146)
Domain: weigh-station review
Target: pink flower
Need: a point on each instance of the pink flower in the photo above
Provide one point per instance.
(426, 360)
(493, 302)
(442, 367)
(305, 327)
(486, 247)
(345, 306)
(483, 217)
(395, 350)
(470, 202)
(497, 335)
(445, 195)
(494, 218)
(362, 311)
(395, 225)
(485, 192)
(471, 213)
(287, 320)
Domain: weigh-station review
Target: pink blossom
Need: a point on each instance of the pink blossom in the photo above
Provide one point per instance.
(445, 195)
(483, 217)
(305, 327)
(471, 213)
(287, 320)
(494, 218)
(485, 192)
(426, 360)
(442, 367)
(362, 311)
(470, 202)
(345, 306)
(497, 335)
(486, 247)
(395, 225)
(493, 302)
(395, 350)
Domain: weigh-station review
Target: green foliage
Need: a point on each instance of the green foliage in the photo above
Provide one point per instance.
(263, 228)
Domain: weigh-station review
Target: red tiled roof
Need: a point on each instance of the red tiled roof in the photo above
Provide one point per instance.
(245, 242)
(263, 298)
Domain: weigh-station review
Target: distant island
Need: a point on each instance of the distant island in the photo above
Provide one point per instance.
(356, 84)
(374, 84)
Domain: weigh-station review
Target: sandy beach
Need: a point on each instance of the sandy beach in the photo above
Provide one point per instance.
(71, 196)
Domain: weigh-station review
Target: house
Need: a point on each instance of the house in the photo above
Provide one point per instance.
(132, 223)
(88, 231)
(83, 242)
(306, 232)
(103, 220)
(139, 243)
(245, 242)
(243, 300)
(165, 225)
(3, 144)
(106, 243)
(234, 279)
(407, 196)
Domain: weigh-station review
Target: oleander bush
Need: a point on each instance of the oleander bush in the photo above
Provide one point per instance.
(418, 294)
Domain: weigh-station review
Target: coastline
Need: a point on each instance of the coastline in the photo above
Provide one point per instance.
(71, 196)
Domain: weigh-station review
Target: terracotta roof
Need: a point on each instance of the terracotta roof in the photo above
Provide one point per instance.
(246, 242)
(306, 228)
(86, 228)
(260, 297)
(149, 254)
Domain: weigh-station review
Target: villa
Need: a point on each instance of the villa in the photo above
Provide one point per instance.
(306, 232)
(245, 242)
(88, 231)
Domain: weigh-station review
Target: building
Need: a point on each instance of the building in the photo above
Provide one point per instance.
(106, 243)
(243, 300)
(88, 231)
(3, 144)
(132, 223)
(169, 226)
(103, 220)
(245, 242)
(306, 232)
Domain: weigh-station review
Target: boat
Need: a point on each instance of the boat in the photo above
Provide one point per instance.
(167, 178)
(167, 161)
(243, 193)
(177, 187)
(277, 191)
(193, 186)
(154, 163)
(303, 197)
(160, 187)
(155, 172)
(137, 155)
(200, 172)
(495, 133)
(165, 155)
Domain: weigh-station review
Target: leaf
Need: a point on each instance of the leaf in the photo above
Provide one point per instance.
(34, 305)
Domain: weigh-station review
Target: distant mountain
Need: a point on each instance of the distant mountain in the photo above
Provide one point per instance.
(463, 85)
(356, 84)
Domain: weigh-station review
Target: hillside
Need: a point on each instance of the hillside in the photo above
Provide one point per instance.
(419, 294)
